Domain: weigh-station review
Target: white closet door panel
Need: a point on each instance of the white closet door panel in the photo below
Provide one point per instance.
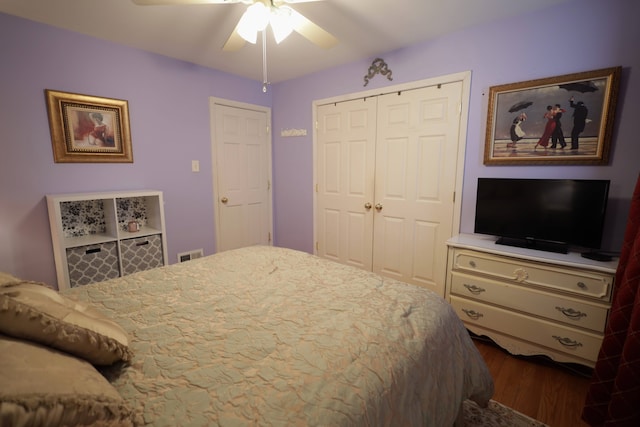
(331, 168)
(345, 167)
(393, 256)
(356, 172)
(425, 246)
(397, 152)
(393, 158)
(358, 234)
(330, 224)
(429, 155)
(416, 149)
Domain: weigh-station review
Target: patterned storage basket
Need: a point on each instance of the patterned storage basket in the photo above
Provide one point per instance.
(93, 263)
(143, 253)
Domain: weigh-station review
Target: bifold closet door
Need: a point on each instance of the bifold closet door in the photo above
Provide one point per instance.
(386, 173)
(416, 156)
(345, 160)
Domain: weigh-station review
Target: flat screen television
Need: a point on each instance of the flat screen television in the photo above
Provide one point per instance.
(545, 214)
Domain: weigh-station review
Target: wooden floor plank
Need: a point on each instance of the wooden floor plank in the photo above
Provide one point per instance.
(537, 387)
(529, 393)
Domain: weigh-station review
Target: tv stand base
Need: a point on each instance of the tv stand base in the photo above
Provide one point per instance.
(540, 245)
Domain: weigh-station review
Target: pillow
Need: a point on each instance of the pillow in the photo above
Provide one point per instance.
(44, 387)
(31, 311)
(7, 279)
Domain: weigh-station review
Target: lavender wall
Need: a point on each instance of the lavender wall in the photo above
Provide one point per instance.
(169, 113)
(579, 35)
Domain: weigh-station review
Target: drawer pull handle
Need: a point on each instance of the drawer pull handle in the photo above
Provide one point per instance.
(472, 314)
(567, 342)
(472, 263)
(476, 290)
(581, 285)
(571, 313)
(146, 242)
(92, 251)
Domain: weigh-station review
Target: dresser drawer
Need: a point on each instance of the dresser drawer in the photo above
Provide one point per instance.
(579, 282)
(560, 338)
(518, 297)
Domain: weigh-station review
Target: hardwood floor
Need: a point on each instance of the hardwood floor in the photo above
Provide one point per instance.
(536, 386)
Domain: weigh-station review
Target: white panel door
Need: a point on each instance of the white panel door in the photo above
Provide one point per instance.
(242, 170)
(416, 158)
(345, 144)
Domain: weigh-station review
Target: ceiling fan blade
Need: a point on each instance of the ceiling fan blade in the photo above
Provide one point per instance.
(234, 42)
(312, 32)
(185, 2)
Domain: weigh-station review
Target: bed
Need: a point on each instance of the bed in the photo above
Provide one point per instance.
(266, 336)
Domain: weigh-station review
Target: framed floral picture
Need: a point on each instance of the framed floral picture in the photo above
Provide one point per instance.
(88, 129)
(559, 120)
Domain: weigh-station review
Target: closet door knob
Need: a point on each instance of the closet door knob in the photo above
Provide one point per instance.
(378, 207)
(367, 206)
(224, 200)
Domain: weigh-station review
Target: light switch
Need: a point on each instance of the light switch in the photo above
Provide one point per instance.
(195, 165)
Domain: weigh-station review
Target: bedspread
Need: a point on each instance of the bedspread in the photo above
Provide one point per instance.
(265, 336)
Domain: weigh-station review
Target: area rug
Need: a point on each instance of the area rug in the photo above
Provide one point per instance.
(496, 415)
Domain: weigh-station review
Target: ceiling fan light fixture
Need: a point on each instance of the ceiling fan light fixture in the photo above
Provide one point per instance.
(254, 19)
(281, 23)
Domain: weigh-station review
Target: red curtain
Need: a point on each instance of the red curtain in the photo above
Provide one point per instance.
(613, 398)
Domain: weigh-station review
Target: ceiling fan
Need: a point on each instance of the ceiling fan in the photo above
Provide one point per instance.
(260, 13)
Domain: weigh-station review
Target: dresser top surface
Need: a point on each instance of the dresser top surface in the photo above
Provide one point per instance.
(571, 259)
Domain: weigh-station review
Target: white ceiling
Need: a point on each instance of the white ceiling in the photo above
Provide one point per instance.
(196, 33)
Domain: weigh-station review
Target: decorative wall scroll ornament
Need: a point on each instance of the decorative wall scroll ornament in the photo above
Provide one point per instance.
(378, 66)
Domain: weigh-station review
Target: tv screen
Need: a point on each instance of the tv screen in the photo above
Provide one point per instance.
(545, 214)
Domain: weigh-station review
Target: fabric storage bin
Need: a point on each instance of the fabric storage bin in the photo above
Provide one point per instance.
(92, 263)
(142, 253)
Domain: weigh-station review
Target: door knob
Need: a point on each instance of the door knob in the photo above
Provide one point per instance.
(367, 206)
(224, 200)
(378, 207)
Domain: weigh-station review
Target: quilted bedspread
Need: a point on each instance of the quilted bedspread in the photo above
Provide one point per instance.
(265, 336)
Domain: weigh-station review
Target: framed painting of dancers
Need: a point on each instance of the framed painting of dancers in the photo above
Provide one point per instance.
(563, 120)
(88, 129)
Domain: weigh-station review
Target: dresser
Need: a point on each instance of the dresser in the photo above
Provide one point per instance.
(101, 236)
(530, 302)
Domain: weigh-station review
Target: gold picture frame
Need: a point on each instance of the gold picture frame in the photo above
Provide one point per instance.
(563, 120)
(88, 129)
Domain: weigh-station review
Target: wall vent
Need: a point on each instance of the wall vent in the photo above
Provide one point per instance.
(188, 256)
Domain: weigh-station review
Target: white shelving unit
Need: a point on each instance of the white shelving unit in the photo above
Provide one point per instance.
(530, 302)
(91, 238)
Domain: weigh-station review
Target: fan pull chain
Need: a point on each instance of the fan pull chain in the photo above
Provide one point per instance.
(264, 61)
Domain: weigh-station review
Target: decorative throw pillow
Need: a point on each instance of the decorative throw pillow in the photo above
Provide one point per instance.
(7, 279)
(44, 387)
(31, 311)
